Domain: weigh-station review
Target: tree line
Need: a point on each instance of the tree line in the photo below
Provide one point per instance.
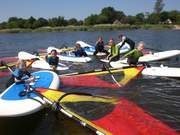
(108, 15)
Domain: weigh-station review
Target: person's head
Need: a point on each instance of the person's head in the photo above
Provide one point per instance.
(111, 42)
(122, 37)
(21, 64)
(78, 45)
(100, 38)
(53, 52)
(140, 46)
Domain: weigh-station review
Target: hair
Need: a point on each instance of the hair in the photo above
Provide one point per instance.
(53, 50)
(121, 35)
(19, 62)
(141, 42)
(78, 45)
(111, 40)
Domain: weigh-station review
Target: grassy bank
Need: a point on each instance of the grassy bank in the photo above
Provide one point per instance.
(100, 27)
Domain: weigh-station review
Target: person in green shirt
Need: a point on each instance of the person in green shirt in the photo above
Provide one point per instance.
(114, 54)
(133, 56)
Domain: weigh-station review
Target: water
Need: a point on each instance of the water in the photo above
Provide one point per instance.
(158, 96)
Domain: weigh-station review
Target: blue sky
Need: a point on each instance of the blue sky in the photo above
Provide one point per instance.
(78, 9)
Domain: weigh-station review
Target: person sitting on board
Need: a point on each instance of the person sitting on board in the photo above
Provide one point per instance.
(21, 72)
(53, 59)
(100, 46)
(79, 51)
(127, 40)
(134, 55)
(114, 51)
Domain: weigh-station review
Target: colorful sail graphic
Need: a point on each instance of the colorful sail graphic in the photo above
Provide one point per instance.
(109, 116)
(102, 78)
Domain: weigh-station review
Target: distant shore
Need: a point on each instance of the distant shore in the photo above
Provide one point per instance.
(100, 27)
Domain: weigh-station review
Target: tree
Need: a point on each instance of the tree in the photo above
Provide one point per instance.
(131, 20)
(110, 13)
(29, 23)
(153, 18)
(91, 20)
(53, 22)
(164, 16)
(140, 18)
(158, 7)
(73, 21)
(60, 21)
(3, 25)
(40, 23)
(174, 16)
(12, 22)
(120, 15)
(102, 19)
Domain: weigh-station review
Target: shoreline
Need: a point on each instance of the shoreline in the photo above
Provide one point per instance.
(99, 27)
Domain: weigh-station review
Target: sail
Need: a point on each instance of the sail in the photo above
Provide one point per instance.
(109, 116)
(102, 78)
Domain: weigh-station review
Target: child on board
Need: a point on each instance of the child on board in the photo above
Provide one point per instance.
(79, 51)
(100, 46)
(53, 59)
(127, 40)
(20, 74)
(134, 55)
(114, 51)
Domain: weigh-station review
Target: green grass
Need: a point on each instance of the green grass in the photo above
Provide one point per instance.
(99, 27)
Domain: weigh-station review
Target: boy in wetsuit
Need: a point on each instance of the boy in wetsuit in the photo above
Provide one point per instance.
(53, 59)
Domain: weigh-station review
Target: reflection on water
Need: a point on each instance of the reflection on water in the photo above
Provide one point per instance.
(158, 96)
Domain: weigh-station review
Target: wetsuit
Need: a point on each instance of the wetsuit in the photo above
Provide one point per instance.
(114, 53)
(80, 52)
(130, 42)
(18, 74)
(133, 56)
(100, 48)
(52, 60)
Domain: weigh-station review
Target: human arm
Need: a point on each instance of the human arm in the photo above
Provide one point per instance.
(115, 52)
(20, 76)
(129, 53)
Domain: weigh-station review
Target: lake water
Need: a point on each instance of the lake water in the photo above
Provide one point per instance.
(157, 96)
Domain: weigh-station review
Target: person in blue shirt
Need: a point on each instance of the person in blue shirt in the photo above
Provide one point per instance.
(53, 59)
(79, 51)
(21, 74)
